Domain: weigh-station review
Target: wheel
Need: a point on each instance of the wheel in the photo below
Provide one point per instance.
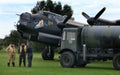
(116, 61)
(48, 54)
(67, 59)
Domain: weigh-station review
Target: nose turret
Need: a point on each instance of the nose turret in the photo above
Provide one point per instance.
(24, 23)
(25, 18)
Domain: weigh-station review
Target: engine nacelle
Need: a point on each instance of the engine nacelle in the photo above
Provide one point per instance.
(49, 39)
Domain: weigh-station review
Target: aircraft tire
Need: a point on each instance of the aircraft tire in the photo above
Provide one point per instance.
(67, 59)
(116, 61)
(46, 55)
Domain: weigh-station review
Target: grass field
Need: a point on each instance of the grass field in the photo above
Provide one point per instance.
(42, 67)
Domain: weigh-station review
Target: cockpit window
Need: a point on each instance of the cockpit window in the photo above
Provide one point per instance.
(57, 18)
(45, 14)
(40, 24)
(48, 18)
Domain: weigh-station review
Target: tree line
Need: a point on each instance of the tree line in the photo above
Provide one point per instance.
(14, 37)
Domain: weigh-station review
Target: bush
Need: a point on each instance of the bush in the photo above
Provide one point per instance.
(38, 47)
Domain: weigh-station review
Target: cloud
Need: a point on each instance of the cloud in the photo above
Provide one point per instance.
(17, 1)
(15, 7)
(6, 27)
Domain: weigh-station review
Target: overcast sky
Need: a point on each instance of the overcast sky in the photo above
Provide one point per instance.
(9, 9)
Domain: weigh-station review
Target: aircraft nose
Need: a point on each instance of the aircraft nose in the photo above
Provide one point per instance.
(25, 18)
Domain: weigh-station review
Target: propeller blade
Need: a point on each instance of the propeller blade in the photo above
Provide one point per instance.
(85, 15)
(66, 19)
(18, 14)
(99, 13)
(63, 24)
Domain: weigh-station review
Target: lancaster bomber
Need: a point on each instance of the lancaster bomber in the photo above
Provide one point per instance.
(46, 27)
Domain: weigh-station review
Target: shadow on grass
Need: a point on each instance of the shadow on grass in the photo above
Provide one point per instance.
(99, 68)
(54, 60)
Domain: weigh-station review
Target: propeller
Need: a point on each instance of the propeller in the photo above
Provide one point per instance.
(66, 19)
(92, 20)
(61, 25)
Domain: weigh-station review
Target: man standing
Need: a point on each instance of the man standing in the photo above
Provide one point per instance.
(11, 52)
(22, 56)
(29, 54)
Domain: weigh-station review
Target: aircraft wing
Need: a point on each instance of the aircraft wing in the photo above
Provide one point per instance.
(75, 23)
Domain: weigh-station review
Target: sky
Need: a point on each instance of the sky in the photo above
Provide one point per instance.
(9, 9)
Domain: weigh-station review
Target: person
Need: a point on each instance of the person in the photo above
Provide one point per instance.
(22, 54)
(29, 54)
(41, 23)
(11, 54)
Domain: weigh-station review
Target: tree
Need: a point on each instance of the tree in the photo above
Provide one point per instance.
(39, 6)
(53, 7)
(58, 8)
(14, 37)
(67, 11)
(49, 5)
(37, 47)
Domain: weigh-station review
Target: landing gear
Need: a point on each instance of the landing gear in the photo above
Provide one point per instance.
(48, 53)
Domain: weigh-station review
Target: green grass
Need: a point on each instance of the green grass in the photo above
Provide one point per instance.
(42, 67)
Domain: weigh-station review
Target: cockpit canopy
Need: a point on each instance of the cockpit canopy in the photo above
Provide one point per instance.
(50, 15)
(42, 18)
